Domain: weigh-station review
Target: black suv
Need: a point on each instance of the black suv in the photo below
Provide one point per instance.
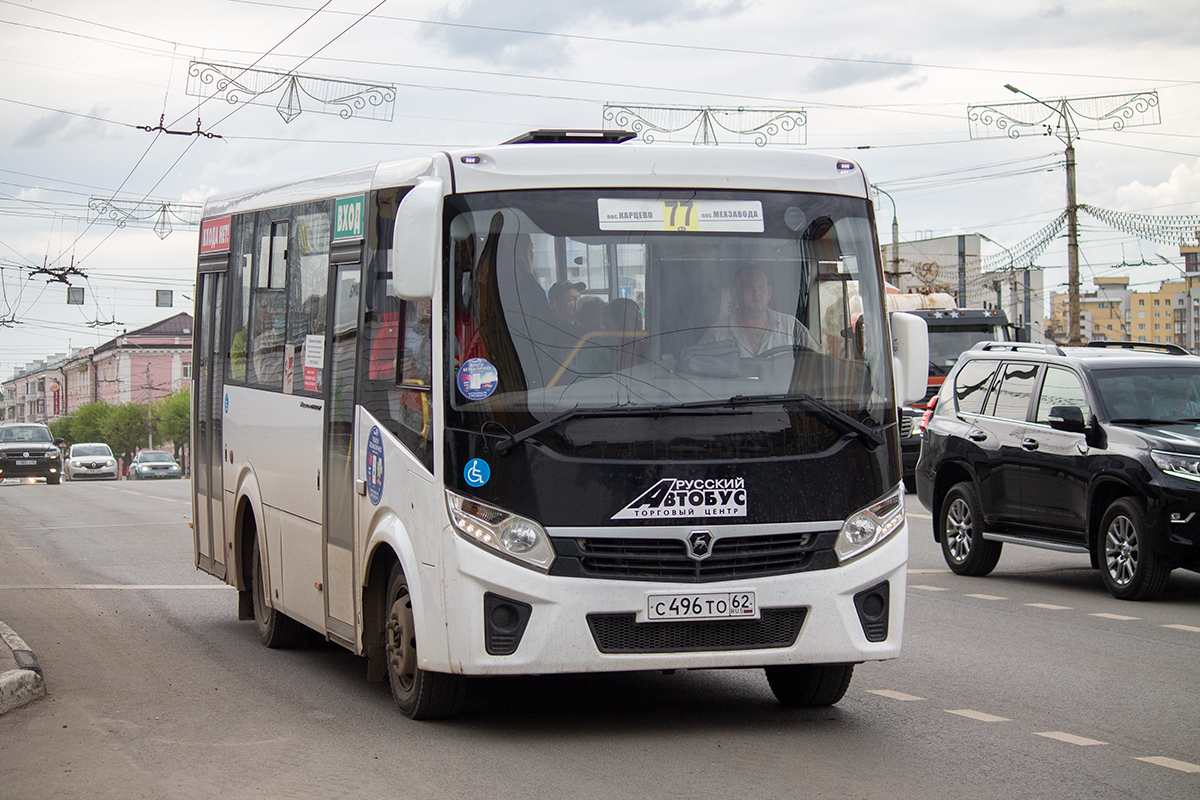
(1085, 449)
(29, 450)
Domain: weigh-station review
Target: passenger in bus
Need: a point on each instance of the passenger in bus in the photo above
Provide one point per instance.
(753, 325)
(564, 300)
(589, 313)
(623, 321)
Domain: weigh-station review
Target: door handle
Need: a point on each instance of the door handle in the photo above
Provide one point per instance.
(1029, 444)
(977, 436)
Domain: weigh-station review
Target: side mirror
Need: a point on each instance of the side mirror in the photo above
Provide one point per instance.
(1067, 418)
(910, 357)
(417, 241)
(59, 442)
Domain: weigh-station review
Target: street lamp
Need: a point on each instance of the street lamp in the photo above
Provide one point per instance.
(1073, 337)
(895, 271)
(1012, 273)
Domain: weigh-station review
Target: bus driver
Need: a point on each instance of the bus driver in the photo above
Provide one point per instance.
(754, 325)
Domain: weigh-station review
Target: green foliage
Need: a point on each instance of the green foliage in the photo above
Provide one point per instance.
(173, 417)
(85, 425)
(126, 428)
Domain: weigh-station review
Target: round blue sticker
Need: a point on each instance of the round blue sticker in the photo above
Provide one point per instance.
(375, 466)
(477, 379)
(477, 472)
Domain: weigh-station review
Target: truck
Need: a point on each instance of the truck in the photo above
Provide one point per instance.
(952, 330)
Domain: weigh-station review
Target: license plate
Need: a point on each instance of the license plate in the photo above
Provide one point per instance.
(701, 605)
(25, 462)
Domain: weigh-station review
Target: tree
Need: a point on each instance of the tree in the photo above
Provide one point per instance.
(85, 425)
(126, 428)
(173, 418)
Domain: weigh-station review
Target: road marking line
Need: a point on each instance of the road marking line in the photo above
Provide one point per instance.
(929, 572)
(1188, 628)
(929, 588)
(1049, 606)
(134, 587)
(1120, 617)
(888, 693)
(986, 596)
(919, 516)
(977, 715)
(1070, 738)
(1170, 763)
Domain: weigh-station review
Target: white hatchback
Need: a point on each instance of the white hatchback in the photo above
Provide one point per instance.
(90, 460)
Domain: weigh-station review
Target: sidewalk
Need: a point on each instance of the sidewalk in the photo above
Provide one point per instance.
(20, 676)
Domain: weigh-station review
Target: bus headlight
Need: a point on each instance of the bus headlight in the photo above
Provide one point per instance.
(871, 526)
(510, 535)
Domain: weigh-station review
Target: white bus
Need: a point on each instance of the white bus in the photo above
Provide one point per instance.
(401, 444)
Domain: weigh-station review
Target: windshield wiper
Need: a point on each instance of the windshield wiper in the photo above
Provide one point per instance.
(515, 439)
(836, 419)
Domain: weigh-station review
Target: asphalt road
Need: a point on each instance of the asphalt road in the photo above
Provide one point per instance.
(1033, 682)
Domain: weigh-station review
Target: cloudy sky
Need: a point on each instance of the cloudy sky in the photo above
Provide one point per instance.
(886, 83)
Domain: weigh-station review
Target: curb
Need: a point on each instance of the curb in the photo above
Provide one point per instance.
(25, 683)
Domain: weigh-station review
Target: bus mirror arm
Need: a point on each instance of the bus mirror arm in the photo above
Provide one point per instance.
(910, 356)
(417, 241)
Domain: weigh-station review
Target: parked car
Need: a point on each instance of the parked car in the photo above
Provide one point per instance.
(90, 460)
(150, 464)
(29, 450)
(1091, 450)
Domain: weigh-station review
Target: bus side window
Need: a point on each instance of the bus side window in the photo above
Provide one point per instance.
(412, 409)
(384, 337)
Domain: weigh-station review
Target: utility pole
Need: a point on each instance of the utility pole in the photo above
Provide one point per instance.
(1111, 112)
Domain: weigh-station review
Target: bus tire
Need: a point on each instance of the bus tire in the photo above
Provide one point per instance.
(275, 629)
(419, 693)
(809, 685)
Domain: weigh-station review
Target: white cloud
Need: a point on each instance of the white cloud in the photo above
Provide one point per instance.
(1171, 196)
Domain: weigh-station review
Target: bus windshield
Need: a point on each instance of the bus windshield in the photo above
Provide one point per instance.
(591, 299)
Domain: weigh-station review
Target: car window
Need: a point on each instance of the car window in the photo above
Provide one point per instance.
(28, 433)
(971, 385)
(81, 450)
(1009, 398)
(1158, 393)
(1061, 387)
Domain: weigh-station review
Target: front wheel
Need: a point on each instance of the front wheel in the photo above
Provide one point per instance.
(809, 685)
(275, 629)
(963, 546)
(420, 694)
(1130, 570)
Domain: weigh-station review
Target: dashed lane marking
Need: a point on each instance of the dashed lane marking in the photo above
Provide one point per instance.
(929, 572)
(1188, 628)
(1049, 606)
(929, 588)
(977, 715)
(919, 516)
(126, 587)
(891, 695)
(1120, 617)
(1170, 763)
(986, 596)
(1071, 738)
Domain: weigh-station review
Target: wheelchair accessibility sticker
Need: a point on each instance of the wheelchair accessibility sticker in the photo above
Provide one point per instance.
(477, 472)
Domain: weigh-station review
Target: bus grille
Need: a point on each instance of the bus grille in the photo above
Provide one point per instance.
(732, 558)
(619, 633)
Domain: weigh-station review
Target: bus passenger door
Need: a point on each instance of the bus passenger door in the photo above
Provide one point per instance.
(208, 522)
(339, 454)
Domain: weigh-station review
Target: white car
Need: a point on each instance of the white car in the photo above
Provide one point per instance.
(90, 460)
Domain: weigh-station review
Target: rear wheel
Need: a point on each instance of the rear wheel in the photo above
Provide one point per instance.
(1130, 570)
(275, 629)
(809, 685)
(963, 546)
(420, 694)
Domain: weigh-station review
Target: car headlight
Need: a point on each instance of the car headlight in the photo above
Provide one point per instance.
(76, 463)
(871, 526)
(503, 532)
(1178, 465)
